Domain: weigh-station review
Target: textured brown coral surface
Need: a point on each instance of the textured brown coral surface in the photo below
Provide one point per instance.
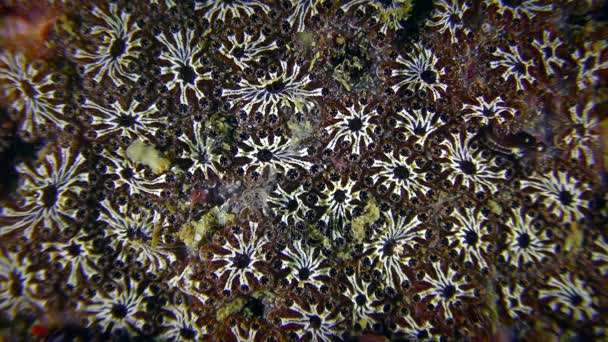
(317, 170)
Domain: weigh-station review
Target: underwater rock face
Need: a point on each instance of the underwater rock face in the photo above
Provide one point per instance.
(317, 170)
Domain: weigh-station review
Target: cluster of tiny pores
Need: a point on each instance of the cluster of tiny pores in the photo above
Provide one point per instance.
(252, 170)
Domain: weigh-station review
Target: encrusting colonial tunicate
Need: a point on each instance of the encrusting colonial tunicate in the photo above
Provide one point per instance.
(311, 170)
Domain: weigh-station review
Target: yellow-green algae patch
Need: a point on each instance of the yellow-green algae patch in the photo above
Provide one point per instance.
(370, 214)
(192, 232)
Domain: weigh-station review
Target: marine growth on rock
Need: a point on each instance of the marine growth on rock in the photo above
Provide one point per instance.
(259, 170)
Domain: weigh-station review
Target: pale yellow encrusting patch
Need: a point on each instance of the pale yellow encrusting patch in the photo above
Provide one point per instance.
(139, 152)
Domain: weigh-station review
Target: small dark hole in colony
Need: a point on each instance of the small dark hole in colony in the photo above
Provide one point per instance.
(304, 273)
(429, 76)
(576, 300)
(389, 247)
(340, 196)
(127, 173)
(119, 311)
(49, 196)
(360, 299)
(187, 334)
(74, 249)
(512, 3)
(521, 68)
(386, 3)
(134, 233)
(565, 197)
(28, 89)
(471, 238)
(401, 172)
(275, 87)
(448, 292)
(238, 53)
(118, 48)
(454, 18)
(264, 155)
(419, 130)
(468, 167)
(16, 288)
(355, 124)
(241, 260)
(187, 74)
(525, 138)
(14, 152)
(125, 120)
(315, 321)
(523, 240)
(292, 205)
